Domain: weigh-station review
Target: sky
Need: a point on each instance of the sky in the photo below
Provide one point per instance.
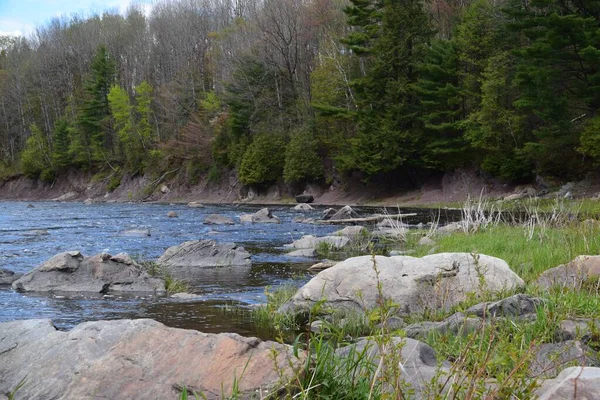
(20, 17)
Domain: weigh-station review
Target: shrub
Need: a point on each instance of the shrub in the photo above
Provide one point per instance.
(302, 163)
(263, 160)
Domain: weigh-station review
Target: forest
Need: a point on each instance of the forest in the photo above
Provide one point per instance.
(301, 90)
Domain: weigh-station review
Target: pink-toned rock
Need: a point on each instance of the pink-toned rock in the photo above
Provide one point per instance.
(573, 274)
(136, 359)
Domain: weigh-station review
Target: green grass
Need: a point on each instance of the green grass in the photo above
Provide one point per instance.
(172, 285)
(528, 257)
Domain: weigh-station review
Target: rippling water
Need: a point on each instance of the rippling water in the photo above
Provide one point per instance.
(98, 228)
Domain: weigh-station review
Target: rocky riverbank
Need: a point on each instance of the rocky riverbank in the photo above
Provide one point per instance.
(79, 186)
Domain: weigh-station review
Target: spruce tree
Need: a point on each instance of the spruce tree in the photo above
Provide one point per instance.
(389, 129)
(92, 140)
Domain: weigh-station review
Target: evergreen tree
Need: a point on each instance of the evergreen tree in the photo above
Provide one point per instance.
(60, 144)
(389, 129)
(559, 79)
(92, 140)
(442, 107)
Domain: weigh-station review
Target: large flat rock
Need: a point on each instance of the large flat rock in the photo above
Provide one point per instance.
(135, 359)
(414, 284)
(189, 259)
(102, 273)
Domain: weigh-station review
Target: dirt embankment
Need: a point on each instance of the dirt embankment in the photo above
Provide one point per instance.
(79, 186)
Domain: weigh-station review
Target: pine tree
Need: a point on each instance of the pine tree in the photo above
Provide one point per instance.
(93, 140)
(441, 108)
(389, 129)
(60, 144)
(558, 78)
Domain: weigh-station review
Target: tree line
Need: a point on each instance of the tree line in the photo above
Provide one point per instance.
(302, 90)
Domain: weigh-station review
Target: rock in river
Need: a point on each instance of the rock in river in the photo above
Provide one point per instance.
(102, 273)
(416, 284)
(188, 257)
(7, 277)
(263, 216)
(216, 219)
(136, 359)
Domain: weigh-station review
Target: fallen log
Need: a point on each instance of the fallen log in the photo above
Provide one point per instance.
(366, 219)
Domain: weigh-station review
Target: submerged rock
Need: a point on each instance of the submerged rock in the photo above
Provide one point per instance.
(416, 284)
(186, 296)
(216, 219)
(136, 232)
(172, 214)
(7, 277)
(102, 273)
(188, 257)
(141, 359)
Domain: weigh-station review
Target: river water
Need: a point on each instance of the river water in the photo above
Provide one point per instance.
(99, 228)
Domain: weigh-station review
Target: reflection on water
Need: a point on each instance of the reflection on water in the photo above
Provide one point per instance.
(29, 236)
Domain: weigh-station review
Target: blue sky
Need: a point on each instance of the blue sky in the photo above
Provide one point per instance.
(22, 16)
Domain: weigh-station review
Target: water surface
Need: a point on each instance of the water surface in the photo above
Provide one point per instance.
(29, 236)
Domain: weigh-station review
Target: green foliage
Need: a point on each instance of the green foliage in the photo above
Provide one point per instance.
(302, 163)
(263, 160)
(36, 160)
(392, 35)
(590, 138)
(89, 143)
(442, 107)
(60, 145)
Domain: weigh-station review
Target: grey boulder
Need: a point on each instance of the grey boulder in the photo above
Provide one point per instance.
(345, 212)
(216, 219)
(519, 305)
(457, 324)
(7, 277)
(581, 383)
(313, 242)
(551, 358)
(189, 257)
(415, 284)
(263, 216)
(573, 274)
(136, 359)
(305, 198)
(303, 207)
(102, 273)
(418, 360)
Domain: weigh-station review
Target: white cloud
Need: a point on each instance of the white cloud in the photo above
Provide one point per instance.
(15, 28)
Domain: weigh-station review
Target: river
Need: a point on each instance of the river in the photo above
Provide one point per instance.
(31, 235)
